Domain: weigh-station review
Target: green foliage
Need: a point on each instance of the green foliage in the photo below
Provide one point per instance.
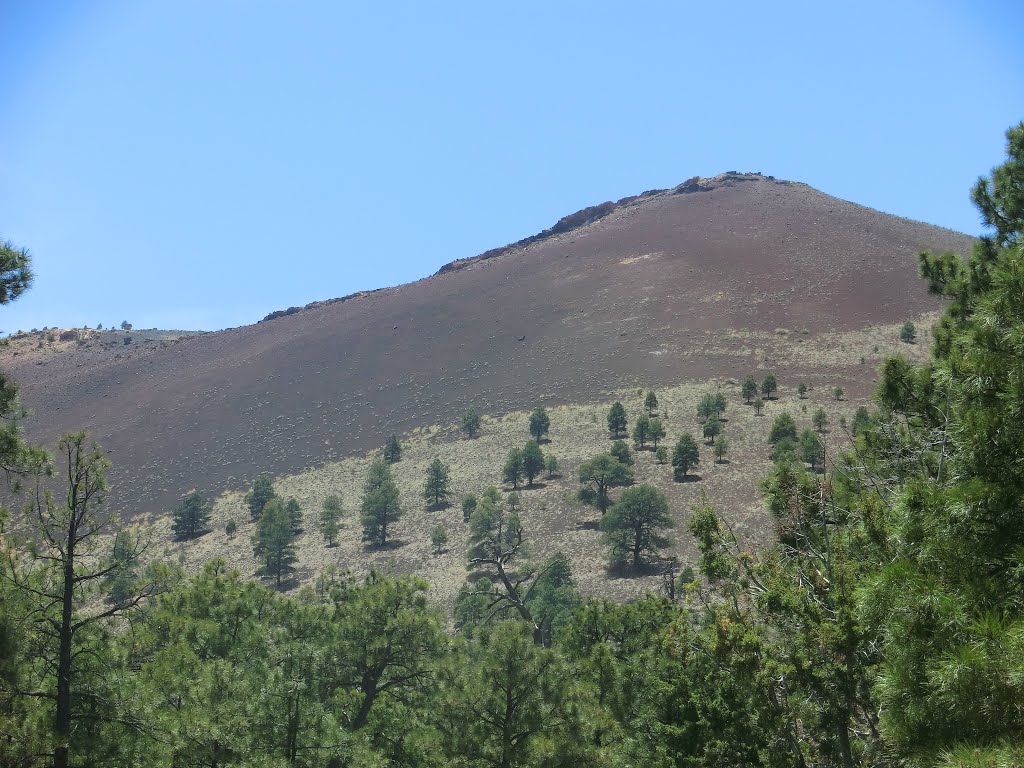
(551, 465)
(655, 432)
(641, 430)
(749, 388)
(661, 454)
(685, 455)
(782, 428)
(769, 385)
(274, 540)
(801, 390)
(651, 403)
(621, 452)
(262, 492)
(540, 423)
(605, 472)
(706, 406)
(468, 506)
(712, 428)
(508, 702)
(720, 403)
(838, 393)
(758, 406)
(381, 506)
(812, 451)
(438, 538)
(471, 423)
(633, 526)
(532, 461)
(721, 448)
(392, 451)
(330, 518)
(437, 486)
(616, 419)
(294, 511)
(512, 471)
(230, 527)
(820, 420)
(15, 271)
(190, 515)
(908, 333)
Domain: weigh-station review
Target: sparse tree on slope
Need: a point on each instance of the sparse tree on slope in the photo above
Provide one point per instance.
(438, 483)
(641, 430)
(617, 419)
(471, 423)
(392, 452)
(533, 461)
(621, 452)
(685, 455)
(655, 432)
(749, 388)
(604, 472)
(540, 423)
(262, 492)
(633, 526)
(190, 516)
(512, 472)
(381, 505)
(330, 517)
(651, 403)
(769, 385)
(274, 540)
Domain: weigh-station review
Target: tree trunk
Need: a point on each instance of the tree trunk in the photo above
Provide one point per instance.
(63, 719)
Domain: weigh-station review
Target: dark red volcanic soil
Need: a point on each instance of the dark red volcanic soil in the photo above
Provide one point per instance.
(617, 301)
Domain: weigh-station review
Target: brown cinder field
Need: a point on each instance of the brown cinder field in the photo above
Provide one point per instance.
(710, 280)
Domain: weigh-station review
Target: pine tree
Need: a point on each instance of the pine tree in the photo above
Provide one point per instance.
(540, 423)
(532, 461)
(616, 419)
(438, 537)
(471, 423)
(190, 515)
(685, 455)
(512, 472)
(641, 430)
(381, 506)
(768, 386)
(651, 403)
(749, 388)
(262, 492)
(633, 526)
(294, 513)
(655, 432)
(438, 483)
(604, 472)
(721, 448)
(274, 539)
(392, 452)
(330, 517)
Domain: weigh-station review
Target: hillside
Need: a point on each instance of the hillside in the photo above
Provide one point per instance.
(713, 279)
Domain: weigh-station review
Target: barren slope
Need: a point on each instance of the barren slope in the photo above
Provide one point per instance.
(645, 294)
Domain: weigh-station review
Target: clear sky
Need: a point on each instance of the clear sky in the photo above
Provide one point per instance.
(200, 164)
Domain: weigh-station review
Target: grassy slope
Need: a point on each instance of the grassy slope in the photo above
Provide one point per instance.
(553, 518)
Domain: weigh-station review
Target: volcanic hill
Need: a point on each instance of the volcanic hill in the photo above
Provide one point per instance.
(715, 278)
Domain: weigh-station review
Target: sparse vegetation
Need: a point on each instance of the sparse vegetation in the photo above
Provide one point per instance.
(190, 516)
(908, 333)
(768, 386)
(540, 423)
(330, 519)
(471, 423)
(685, 455)
(617, 419)
(634, 526)
(437, 486)
(381, 505)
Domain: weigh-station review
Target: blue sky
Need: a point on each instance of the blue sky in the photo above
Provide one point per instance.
(200, 164)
